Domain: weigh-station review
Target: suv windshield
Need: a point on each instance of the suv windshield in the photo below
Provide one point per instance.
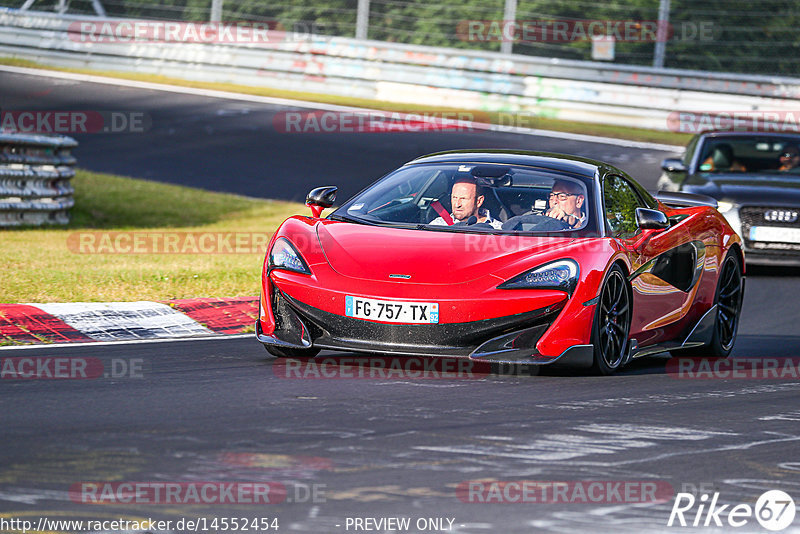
(751, 153)
(474, 197)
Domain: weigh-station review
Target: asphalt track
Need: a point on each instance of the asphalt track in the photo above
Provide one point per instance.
(221, 410)
(235, 146)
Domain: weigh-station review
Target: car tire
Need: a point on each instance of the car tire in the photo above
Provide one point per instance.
(297, 354)
(728, 299)
(612, 322)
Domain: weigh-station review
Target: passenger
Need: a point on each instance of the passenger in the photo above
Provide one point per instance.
(566, 203)
(466, 199)
(721, 159)
(789, 158)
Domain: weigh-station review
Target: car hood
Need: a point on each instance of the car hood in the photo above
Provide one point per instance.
(424, 256)
(747, 188)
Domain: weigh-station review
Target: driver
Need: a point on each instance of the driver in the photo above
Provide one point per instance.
(466, 199)
(566, 203)
(789, 158)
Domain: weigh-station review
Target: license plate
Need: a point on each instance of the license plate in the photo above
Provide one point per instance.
(775, 234)
(392, 311)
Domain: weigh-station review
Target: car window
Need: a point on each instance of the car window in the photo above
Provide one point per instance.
(750, 153)
(689, 153)
(500, 198)
(620, 202)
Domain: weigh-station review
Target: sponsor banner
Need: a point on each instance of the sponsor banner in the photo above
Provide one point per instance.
(564, 492)
(709, 368)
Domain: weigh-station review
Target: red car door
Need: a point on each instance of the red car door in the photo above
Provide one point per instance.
(664, 265)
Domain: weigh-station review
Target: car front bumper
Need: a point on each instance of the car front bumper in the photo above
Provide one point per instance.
(509, 339)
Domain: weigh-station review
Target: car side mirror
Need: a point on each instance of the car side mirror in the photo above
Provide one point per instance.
(673, 165)
(647, 219)
(321, 198)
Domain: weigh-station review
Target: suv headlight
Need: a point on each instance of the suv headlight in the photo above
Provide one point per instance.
(560, 274)
(284, 256)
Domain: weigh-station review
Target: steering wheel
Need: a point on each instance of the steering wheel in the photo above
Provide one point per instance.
(538, 223)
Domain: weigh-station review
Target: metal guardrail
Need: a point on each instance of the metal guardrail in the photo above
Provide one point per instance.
(450, 78)
(35, 174)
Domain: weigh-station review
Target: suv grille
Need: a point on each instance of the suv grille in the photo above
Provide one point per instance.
(769, 216)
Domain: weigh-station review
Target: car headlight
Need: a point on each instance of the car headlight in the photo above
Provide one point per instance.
(560, 274)
(284, 256)
(724, 207)
(730, 211)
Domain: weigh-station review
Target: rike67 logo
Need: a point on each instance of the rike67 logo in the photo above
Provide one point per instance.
(774, 510)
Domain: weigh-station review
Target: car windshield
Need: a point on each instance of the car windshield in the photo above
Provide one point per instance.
(475, 197)
(751, 154)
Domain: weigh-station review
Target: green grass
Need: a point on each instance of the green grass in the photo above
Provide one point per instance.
(39, 265)
(107, 201)
(525, 120)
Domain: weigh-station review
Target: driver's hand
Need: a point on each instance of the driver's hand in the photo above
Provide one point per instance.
(557, 213)
(553, 213)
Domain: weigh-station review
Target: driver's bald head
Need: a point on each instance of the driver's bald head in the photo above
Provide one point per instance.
(466, 198)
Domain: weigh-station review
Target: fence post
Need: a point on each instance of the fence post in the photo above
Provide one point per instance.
(216, 11)
(661, 34)
(362, 19)
(509, 17)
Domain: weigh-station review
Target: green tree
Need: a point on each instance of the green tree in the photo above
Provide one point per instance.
(747, 36)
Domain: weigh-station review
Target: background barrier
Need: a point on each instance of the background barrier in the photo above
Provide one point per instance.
(440, 77)
(35, 173)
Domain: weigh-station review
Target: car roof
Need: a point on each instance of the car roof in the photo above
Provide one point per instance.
(558, 162)
(733, 133)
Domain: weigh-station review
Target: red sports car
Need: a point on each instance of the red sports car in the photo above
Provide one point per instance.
(504, 256)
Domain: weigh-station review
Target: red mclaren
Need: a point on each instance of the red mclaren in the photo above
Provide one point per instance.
(504, 256)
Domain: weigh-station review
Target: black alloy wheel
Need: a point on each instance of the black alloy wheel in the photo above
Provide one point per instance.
(612, 322)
